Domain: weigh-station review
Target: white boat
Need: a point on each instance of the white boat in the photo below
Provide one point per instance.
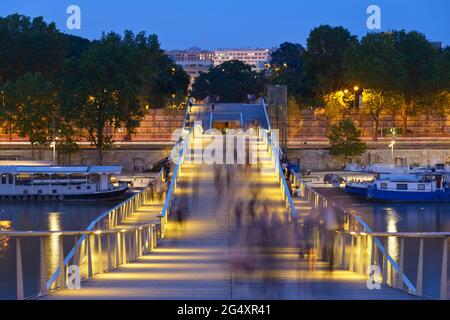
(35, 182)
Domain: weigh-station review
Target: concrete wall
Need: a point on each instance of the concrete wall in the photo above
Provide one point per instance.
(320, 158)
(313, 124)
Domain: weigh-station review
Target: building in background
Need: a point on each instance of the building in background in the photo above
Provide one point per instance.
(195, 60)
(257, 58)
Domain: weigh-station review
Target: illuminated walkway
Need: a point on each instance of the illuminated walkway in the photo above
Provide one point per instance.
(195, 261)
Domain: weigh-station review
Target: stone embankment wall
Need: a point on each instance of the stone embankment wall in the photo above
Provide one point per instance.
(310, 124)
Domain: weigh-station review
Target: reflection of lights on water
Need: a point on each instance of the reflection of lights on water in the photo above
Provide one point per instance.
(392, 218)
(5, 225)
(54, 224)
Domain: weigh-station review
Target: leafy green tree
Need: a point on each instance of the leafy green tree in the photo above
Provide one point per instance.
(287, 67)
(66, 139)
(345, 140)
(100, 90)
(31, 46)
(336, 104)
(164, 83)
(324, 69)
(416, 89)
(231, 81)
(441, 86)
(376, 65)
(32, 101)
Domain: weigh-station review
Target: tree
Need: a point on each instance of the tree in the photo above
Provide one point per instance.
(416, 89)
(287, 67)
(345, 140)
(324, 70)
(31, 46)
(163, 82)
(376, 65)
(33, 102)
(101, 89)
(337, 103)
(441, 86)
(231, 81)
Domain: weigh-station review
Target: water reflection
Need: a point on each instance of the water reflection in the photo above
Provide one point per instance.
(5, 225)
(54, 224)
(39, 216)
(392, 218)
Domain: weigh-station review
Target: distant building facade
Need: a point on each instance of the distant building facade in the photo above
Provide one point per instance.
(257, 58)
(196, 61)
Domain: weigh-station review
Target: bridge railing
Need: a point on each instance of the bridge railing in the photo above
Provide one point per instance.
(95, 252)
(176, 173)
(113, 217)
(102, 247)
(266, 115)
(274, 157)
(357, 248)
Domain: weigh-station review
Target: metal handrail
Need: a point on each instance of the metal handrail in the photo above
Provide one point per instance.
(398, 267)
(269, 127)
(173, 182)
(274, 155)
(96, 222)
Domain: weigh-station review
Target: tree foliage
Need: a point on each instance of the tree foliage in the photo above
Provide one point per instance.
(32, 103)
(33, 46)
(287, 67)
(324, 61)
(232, 81)
(345, 140)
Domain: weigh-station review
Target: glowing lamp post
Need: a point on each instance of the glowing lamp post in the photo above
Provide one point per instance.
(53, 146)
(391, 145)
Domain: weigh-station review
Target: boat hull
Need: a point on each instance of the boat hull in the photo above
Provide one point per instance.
(357, 191)
(107, 195)
(409, 196)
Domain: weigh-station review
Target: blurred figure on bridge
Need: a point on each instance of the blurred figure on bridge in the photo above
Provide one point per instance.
(308, 237)
(238, 215)
(330, 227)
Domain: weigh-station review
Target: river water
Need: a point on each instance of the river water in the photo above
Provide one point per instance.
(66, 216)
(39, 216)
(412, 218)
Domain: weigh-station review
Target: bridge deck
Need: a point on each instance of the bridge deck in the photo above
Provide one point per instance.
(198, 259)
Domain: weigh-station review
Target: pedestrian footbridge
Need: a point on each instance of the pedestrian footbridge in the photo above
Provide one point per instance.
(220, 231)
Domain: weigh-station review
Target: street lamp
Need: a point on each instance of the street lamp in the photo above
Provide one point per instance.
(357, 97)
(391, 145)
(53, 146)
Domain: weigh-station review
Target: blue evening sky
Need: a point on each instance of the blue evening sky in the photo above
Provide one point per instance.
(213, 24)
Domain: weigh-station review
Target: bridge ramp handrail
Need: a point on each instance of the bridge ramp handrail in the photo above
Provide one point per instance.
(369, 236)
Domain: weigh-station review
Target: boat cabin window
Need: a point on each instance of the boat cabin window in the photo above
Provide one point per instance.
(6, 179)
(59, 179)
(23, 179)
(383, 185)
(402, 186)
(420, 186)
(41, 178)
(438, 182)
